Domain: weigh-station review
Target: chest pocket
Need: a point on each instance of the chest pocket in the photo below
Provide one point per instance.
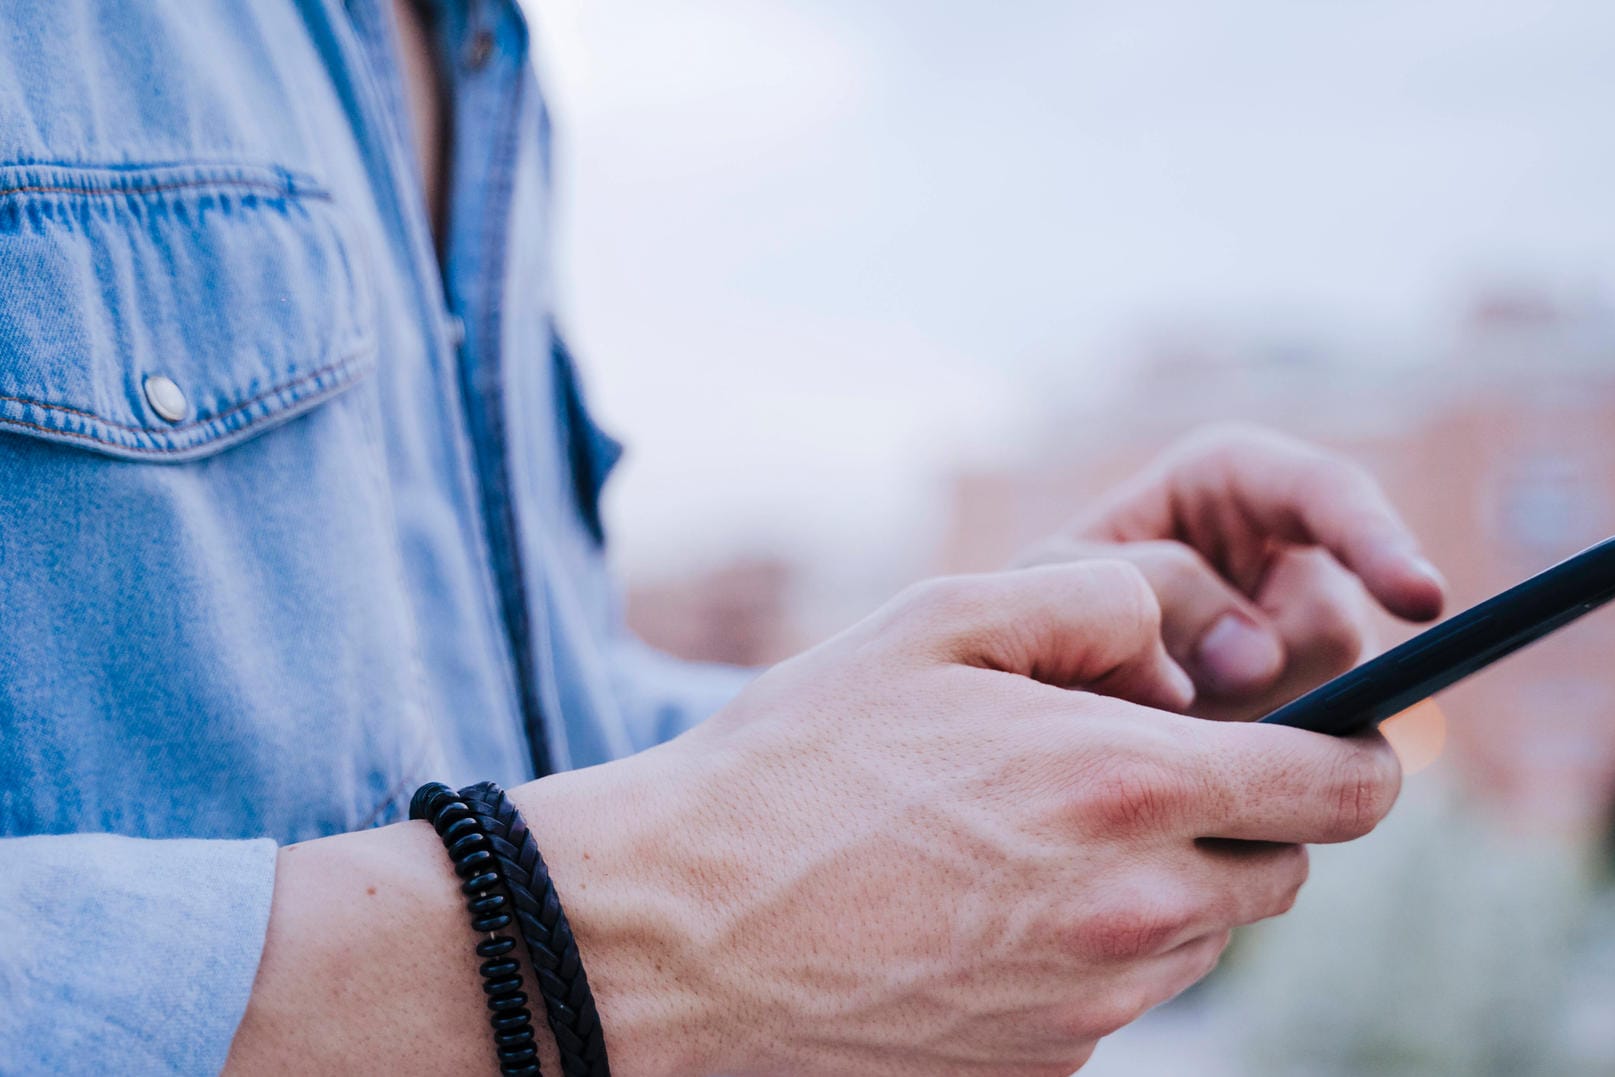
(192, 606)
(160, 313)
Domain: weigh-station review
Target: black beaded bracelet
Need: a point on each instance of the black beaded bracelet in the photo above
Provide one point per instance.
(543, 926)
(467, 841)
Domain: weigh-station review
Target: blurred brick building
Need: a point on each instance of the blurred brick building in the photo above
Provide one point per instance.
(738, 612)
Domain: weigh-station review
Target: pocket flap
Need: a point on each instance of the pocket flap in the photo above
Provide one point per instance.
(165, 312)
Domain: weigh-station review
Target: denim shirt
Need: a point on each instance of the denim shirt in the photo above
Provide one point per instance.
(296, 512)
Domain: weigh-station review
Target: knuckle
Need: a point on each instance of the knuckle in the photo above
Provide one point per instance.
(1078, 1058)
(1365, 787)
(1210, 957)
(1132, 796)
(1119, 1008)
(1290, 876)
(1326, 471)
(1201, 958)
(1171, 566)
(1389, 770)
(1124, 577)
(909, 604)
(1226, 437)
(937, 600)
(1353, 795)
(1229, 447)
(1299, 863)
(1119, 591)
(1136, 598)
(1138, 930)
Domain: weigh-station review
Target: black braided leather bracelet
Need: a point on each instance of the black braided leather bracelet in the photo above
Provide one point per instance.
(543, 927)
(465, 837)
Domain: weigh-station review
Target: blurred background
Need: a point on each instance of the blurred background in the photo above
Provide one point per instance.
(876, 289)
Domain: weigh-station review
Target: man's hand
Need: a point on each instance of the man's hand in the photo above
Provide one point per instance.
(1260, 548)
(916, 850)
(920, 849)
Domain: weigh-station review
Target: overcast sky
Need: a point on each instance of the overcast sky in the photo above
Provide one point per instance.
(814, 250)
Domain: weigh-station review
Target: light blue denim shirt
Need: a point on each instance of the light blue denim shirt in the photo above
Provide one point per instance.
(294, 515)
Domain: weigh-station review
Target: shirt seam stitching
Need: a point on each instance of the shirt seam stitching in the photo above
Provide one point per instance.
(329, 368)
(285, 190)
(6, 420)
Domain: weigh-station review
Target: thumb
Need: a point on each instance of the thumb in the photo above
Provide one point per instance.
(1230, 646)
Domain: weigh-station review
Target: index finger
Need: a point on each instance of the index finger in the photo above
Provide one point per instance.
(1264, 784)
(1303, 494)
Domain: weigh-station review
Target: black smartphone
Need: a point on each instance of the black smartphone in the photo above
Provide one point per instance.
(1455, 648)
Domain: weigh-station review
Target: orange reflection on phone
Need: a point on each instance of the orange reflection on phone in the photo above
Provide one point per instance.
(1417, 734)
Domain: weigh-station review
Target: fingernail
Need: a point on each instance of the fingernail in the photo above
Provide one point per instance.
(1236, 654)
(1430, 572)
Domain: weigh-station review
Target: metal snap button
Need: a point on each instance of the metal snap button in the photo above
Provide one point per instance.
(166, 398)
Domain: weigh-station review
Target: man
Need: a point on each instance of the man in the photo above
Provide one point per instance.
(301, 511)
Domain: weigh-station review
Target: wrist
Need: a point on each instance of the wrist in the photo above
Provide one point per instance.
(610, 836)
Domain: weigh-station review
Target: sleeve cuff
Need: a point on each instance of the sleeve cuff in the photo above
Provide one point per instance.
(127, 954)
(664, 696)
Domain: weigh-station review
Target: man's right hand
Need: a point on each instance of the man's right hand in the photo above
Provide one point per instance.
(922, 848)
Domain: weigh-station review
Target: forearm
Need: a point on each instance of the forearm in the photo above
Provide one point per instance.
(369, 966)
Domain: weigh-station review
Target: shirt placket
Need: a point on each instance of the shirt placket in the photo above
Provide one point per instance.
(485, 50)
(482, 49)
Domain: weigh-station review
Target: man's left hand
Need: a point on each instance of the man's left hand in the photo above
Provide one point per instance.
(1264, 552)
